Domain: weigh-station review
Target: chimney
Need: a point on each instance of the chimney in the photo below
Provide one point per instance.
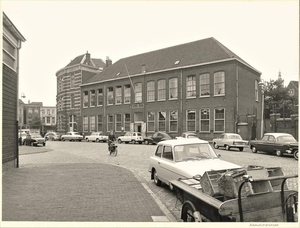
(108, 61)
(87, 58)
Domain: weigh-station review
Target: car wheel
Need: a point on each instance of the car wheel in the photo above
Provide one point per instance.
(119, 141)
(31, 144)
(241, 149)
(133, 141)
(296, 155)
(216, 146)
(253, 149)
(227, 147)
(157, 181)
(62, 139)
(278, 153)
(97, 140)
(187, 214)
(87, 140)
(44, 144)
(146, 142)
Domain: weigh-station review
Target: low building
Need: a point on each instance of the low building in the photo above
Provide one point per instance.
(200, 87)
(68, 97)
(48, 119)
(12, 40)
(293, 88)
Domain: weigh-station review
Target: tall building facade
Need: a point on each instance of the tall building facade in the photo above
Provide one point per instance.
(68, 98)
(200, 87)
(12, 41)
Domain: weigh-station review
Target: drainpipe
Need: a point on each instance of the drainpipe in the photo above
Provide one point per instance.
(237, 97)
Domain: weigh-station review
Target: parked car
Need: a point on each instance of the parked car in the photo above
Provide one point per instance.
(52, 136)
(175, 159)
(96, 137)
(230, 140)
(33, 139)
(72, 136)
(276, 143)
(157, 137)
(22, 136)
(187, 135)
(131, 137)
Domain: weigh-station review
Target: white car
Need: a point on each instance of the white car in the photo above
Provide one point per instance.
(230, 140)
(131, 137)
(175, 159)
(96, 137)
(72, 136)
(188, 135)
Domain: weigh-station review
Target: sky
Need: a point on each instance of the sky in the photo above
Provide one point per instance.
(263, 33)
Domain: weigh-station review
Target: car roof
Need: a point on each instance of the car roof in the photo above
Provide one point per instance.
(277, 134)
(176, 142)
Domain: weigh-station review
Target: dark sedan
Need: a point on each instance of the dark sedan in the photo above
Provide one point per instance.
(276, 143)
(33, 139)
(157, 137)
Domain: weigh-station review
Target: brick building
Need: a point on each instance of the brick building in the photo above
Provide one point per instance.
(200, 87)
(68, 97)
(12, 40)
(293, 88)
(48, 119)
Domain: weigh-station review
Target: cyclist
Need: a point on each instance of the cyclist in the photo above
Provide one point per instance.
(111, 138)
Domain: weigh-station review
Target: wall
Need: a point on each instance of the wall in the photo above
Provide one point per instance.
(9, 117)
(284, 125)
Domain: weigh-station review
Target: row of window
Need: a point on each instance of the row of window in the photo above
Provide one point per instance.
(115, 95)
(156, 121)
(48, 120)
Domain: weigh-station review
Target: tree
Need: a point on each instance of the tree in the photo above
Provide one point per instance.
(36, 122)
(278, 100)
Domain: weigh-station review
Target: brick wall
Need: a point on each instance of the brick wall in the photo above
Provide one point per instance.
(9, 115)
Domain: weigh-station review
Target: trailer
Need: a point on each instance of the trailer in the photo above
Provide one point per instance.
(252, 194)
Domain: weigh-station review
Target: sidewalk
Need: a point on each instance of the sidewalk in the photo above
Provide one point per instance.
(73, 192)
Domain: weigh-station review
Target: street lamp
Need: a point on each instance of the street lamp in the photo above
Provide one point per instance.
(262, 85)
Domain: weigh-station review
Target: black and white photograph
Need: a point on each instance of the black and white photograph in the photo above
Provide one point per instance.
(150, 113)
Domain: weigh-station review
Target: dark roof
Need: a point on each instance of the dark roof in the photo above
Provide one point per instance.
(295, 83)
(76, 61)
(99, 63)
(197, 52)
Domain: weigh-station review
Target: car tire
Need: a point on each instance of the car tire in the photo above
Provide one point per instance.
(44, 144)
(216, 146)
(119, 141)
(296, 155)
(188, 212)
(157, 181)
(133, 141)
(31, 144)
(241, 149)
(227, 147)
(62, 139)
(97, 140)
(146, 142)
(278, 153)
(87, 140)
(253, 149)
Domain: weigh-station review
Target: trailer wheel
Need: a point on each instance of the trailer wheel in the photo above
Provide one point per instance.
(296, 155)
(189, 213)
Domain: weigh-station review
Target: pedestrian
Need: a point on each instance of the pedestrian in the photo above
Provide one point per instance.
(111, 138)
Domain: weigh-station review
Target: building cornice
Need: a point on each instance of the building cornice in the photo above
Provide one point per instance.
(79, 66)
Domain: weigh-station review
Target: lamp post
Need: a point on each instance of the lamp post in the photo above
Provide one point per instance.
(261, 84)
(22, 119)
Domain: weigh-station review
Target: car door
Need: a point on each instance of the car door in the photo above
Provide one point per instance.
(158, 137)
(219, 140)
(269, 144)
(261, 144)
(167, 165)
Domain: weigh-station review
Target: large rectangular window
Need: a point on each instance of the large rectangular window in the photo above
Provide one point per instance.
(161, 90)
(99, 97)
(85, 99)
(72, 81)
(173, 118)
(151, 121)
(162, 121)
(9, 54)
(151, 91)
(173, 88)
(85, 122)
(219, 120)
(110, 95)
(118, 95)
(204, 85)
(191, 86)
(138, 92)
(72, 100)
(92, 98)
(204, 120)
(92, 123)
(191, 120)
(110, 122)
(219, 80)
(126, 122)
(100, 123)
(127, 94)
(118, 122)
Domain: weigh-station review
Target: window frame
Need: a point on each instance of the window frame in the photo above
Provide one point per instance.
(219, 119)
(92, 98)
(216, 74)
(202, 84)
(190, 120)
(138, 92)
(118, 95)
(100, 97)
(172, 121)
(85, 99)
(110, 95)
(161, 90)
(191, 88)
(171, 88)
(163, 122)
(150, 91)
(201, 120)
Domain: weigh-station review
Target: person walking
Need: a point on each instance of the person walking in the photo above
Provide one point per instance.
(111, 138)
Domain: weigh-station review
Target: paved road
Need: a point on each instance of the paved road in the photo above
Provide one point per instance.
(136, 158)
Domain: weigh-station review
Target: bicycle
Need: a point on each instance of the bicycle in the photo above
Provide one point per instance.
(113, 149)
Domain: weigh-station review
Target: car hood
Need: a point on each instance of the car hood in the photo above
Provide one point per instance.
(194, 167)
(294, 144)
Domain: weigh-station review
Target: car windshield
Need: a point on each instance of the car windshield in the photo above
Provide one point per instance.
(75, 133)
(286, 138)
(234, 137)
(196, 151)
(36, 136)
